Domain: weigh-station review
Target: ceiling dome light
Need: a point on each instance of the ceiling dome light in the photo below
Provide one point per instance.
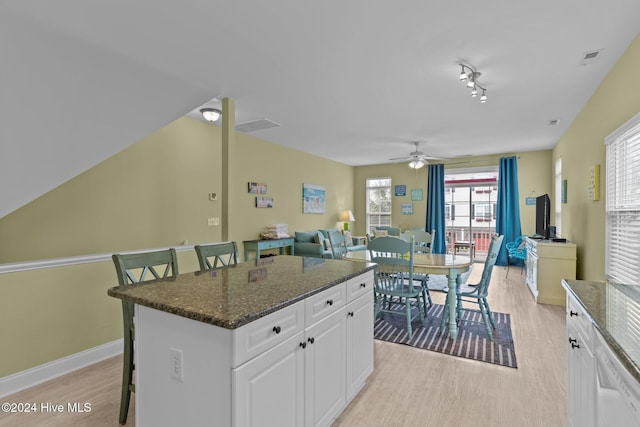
(211, 114)
(416, 164)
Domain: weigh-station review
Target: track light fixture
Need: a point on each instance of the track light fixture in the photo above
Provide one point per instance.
(470, 75)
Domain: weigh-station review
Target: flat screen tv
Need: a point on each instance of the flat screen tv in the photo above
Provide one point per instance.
(543, 212)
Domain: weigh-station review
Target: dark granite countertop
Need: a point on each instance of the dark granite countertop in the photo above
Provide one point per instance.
(615, 310)
(230, 297)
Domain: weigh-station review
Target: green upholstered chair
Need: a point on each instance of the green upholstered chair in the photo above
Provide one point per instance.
(477, 293)
(338, 244)
(209, 256)
(394, 278)
(134, 268)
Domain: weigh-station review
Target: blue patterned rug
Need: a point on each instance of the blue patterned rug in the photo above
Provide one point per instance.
(472, 342)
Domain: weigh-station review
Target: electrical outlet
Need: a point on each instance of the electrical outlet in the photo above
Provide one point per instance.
(213, 221)
(175, 364)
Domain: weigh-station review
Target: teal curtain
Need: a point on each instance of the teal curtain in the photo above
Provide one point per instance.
(508, 214)
(435, 207)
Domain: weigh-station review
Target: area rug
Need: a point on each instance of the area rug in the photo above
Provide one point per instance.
(472, 341)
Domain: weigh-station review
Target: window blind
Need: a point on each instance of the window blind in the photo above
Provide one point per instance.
(623, 203)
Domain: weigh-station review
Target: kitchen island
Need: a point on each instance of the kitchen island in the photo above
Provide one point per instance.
(279, 341)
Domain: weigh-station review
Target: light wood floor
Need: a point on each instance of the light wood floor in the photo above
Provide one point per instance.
(409, 387)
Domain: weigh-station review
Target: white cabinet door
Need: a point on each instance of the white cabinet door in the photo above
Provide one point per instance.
(325, 364)
(359, 343)
(581, 368)
(269, 390)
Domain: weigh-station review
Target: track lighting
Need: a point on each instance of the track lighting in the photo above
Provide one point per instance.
(470, 75)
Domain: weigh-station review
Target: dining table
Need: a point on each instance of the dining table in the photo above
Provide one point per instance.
(450, 265)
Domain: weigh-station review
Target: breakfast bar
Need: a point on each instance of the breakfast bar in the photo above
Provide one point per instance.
(284, 341)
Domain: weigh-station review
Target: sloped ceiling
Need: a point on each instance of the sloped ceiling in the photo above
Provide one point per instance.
(354, 81)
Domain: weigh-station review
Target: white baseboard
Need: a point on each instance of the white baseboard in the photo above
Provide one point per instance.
(34, 376)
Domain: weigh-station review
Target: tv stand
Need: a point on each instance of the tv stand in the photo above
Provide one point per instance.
(546, 265)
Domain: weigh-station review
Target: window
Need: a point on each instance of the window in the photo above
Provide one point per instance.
(483, 212)
(558, 198)
(449, 211)
(622, 250)
(378, 202)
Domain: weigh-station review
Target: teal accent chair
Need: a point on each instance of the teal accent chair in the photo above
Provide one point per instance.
(133, 268)
(477, 293)
(394, 278)
(223, 253)
(338, 244)
(516, 251)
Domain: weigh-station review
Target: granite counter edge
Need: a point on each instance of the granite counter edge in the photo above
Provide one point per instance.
(116, 292)
(623, 356)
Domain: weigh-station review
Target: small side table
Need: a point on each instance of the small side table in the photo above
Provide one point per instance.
(259, 245)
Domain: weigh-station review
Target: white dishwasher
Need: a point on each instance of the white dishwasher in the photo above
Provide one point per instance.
(617, 392)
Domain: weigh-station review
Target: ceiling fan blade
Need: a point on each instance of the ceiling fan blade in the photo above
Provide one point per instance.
(402, 158)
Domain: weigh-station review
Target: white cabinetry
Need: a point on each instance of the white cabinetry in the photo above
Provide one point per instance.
(299, 366)
(580, 366)
(547, 264)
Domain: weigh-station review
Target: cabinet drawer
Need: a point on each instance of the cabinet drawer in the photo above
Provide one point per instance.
(359, 286)
(326, 302)
(260, 335)
(579, 320)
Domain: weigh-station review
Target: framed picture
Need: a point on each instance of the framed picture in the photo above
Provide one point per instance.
(407, 209)
(313, 198)
(257, 188)
(264, 202)
(400, 190)
(416, 194)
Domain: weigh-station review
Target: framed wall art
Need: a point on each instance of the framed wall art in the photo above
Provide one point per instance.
(264, 202)
(313, 198)
(257, 188)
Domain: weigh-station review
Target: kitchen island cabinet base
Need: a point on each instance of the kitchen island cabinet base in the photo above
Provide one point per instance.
(303, 379)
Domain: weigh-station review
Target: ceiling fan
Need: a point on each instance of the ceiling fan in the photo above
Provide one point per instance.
(417, 158)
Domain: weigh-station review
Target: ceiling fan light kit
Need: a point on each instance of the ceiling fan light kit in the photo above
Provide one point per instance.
(470, 75)
(417, 159)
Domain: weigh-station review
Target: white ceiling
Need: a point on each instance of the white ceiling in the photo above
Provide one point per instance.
(356, 81)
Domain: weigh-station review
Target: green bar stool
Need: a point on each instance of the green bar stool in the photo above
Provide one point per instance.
(133, 268)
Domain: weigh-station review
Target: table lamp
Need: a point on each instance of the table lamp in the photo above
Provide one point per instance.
(346, 217)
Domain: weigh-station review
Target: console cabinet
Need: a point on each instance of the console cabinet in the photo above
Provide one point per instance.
(546, 265)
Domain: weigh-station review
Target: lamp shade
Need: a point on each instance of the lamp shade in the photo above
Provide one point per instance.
(346, 216)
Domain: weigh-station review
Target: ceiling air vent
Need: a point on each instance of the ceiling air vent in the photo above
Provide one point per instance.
(256, 125)
(591, 57)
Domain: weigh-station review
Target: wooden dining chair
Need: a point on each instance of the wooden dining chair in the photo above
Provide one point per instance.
(422, 244)
(394, 278)
(477, 293)
(134, 268)
(210, 255)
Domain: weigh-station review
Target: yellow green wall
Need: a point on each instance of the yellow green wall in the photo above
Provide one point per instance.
(152, 194)
(582, 146)
(534, 176)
